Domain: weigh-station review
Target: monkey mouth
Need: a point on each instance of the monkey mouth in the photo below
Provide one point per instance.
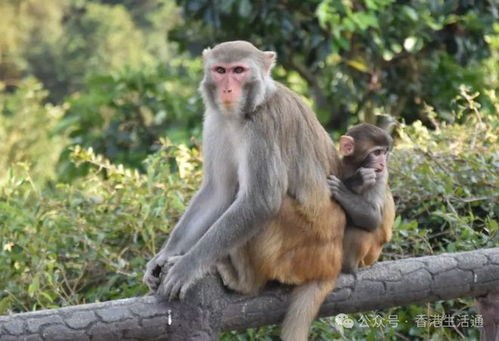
(228, 105)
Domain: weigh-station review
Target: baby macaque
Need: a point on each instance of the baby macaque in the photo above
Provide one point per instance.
(364, 194)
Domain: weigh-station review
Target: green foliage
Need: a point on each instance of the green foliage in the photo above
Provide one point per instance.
(355, 59)
(28, 131)
(361, 58)
(446, 184)
(96, 38)
(123, 114)
(26, 26)
(88, 241)
(61, 42)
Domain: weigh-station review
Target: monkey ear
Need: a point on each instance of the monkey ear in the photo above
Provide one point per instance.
(347, 145)
(270, 58)
(206, 53)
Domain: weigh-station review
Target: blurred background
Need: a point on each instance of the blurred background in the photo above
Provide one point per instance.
(100, 124)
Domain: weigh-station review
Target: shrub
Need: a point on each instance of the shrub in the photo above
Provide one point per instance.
(28, 130)
(123, 114)
(445, 182)
(89, 241)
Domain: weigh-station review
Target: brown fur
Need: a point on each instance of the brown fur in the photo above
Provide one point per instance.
(362, 248)
(303, 242)
(302, 245)
(298, 247)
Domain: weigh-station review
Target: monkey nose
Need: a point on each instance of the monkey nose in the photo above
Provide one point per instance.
(227, 91)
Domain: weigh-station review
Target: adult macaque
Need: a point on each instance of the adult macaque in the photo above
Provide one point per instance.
(262, 212)
(364, 194)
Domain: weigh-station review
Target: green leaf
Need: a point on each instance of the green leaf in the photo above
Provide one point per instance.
(413, 44)
(410, 13)
(388, 55)
(371, 4)
(34, 287)
(5, 304)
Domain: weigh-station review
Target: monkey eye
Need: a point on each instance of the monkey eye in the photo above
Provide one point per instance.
(220, 69)
(238, 69)
(378, 152)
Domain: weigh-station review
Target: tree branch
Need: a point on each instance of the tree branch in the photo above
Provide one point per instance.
(210, 308)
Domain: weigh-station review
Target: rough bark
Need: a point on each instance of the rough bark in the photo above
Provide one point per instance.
(210, 308)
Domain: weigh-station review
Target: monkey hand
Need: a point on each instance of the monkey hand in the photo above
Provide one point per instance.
(368, 176)
(156, 268)
(184, 272)
(336, 186)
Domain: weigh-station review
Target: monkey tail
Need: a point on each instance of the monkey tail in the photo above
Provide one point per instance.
(306, 300)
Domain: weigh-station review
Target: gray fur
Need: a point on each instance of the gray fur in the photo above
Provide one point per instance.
(363, 206)
(268, 147)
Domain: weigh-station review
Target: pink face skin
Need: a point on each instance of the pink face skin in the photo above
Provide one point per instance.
(377, 159)
(229, 79)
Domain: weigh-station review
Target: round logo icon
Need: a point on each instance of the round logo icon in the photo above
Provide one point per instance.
(343, 320)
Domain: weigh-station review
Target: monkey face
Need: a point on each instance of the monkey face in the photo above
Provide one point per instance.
(365, 146)
(237, 77)
(376, 158)
(229, 79)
